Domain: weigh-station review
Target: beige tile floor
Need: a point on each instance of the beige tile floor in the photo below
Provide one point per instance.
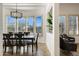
(42, 51)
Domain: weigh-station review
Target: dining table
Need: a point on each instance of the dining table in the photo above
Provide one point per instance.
(25, 38)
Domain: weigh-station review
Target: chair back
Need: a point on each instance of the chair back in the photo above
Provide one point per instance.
(10, 34)
(6, 38)
(37, 37)
(65, 36)
(19, 36)
(26, 33)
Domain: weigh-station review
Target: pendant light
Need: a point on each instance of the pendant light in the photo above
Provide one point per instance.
(16, 14)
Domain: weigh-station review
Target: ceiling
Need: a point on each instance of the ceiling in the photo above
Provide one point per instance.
(69, 4)
(25, 6)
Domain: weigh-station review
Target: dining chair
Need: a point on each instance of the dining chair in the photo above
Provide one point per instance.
(20, 42)
(26, 33)
(7, 42)
(35, 42)
(11, 33)
(12, 37)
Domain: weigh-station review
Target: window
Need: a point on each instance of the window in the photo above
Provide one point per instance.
(62, 24)
(38, 24)
(11, 24)
(30, 23)
(73, 25)
(21, 24)
(68, 25)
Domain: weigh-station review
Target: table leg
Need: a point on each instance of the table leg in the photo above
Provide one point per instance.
(12, 50)
(32, 46)
(27, 49)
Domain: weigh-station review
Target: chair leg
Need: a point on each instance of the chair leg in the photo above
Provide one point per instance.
(27, 49)
(5, 49)
(24, 49)
(36, 46)
(19, 49)
(12, 50)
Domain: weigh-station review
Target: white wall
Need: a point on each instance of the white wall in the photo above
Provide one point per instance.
(49, 36)
(1, 25)
(49, 42)
(69, 9)
(52, 39)
(56, 40)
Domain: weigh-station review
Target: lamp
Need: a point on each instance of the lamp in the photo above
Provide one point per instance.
(16, 13)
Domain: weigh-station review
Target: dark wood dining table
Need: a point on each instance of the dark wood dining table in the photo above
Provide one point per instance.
(28, 37)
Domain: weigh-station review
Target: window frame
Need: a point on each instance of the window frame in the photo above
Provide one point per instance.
(76, 33)
(67, 23)
(64, 24)
(16, 24)
(7, 25)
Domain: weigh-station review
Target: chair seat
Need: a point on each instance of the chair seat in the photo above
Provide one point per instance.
(29, 42)
(18, 43)
(14, 43)
(7, 44)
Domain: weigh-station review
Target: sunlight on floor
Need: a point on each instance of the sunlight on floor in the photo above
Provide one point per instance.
(42, 51)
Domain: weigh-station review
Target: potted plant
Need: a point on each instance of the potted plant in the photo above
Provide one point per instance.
(49, 20)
